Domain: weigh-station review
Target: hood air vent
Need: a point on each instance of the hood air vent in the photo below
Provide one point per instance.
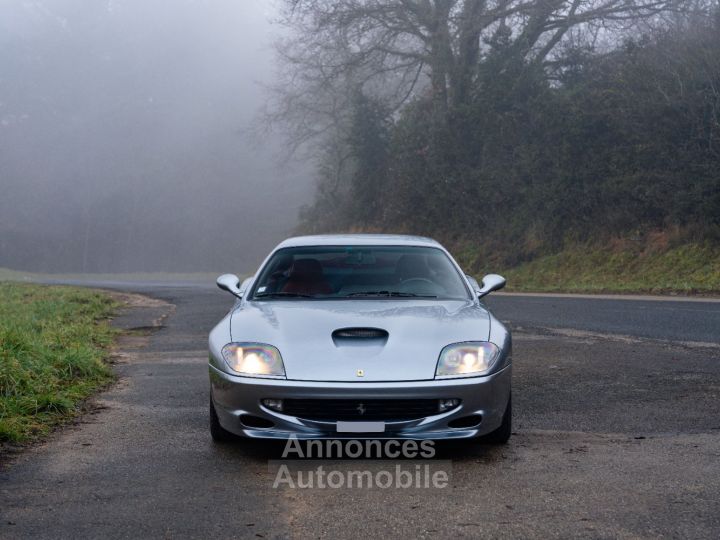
(360, 333)
(360, 337)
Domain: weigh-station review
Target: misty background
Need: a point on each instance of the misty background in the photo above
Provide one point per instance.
(124, 137)
(536, 133)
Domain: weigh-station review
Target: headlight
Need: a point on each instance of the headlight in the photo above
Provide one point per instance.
(470, 359)
(254, 359)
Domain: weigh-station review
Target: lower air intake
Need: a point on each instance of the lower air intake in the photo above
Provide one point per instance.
(387, 410)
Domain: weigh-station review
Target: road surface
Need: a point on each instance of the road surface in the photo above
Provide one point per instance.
(617, 434)
(660, 318)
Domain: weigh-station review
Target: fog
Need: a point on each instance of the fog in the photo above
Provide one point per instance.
(124, 137)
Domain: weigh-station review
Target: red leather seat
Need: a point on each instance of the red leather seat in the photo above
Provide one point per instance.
(306, 277)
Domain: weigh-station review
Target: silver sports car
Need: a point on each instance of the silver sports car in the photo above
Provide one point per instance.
(352, 336)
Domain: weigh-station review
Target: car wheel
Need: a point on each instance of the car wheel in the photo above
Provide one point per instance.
(218, 433)
(502, 434)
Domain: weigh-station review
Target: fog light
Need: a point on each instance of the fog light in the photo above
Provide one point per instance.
(447, 404)
(273, 404)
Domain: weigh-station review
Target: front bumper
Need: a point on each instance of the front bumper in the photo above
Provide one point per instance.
(234, 397)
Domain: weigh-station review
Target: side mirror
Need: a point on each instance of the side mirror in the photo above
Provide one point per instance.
(230, 283)
(490, 283)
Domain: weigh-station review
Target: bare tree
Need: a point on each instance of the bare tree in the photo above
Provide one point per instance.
(395, 48)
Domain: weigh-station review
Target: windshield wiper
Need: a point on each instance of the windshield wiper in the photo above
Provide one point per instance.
(389, 294)
(280, 294)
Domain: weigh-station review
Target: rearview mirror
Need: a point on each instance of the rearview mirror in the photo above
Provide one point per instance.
(490, 283)
(230, 283)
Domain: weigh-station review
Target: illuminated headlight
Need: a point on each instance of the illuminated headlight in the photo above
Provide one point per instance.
(470, 359)
(254, 359)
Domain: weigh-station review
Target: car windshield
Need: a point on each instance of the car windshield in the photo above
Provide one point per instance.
(359, 272)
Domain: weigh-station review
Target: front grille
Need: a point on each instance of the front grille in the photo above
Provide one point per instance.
(361, 409)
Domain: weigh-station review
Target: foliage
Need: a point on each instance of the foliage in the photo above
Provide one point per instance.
(536, 160)
(53, 342)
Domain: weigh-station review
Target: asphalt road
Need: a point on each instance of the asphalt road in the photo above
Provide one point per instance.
(617, 434)
(660, 318)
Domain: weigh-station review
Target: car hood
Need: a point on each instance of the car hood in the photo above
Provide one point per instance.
(417, 330)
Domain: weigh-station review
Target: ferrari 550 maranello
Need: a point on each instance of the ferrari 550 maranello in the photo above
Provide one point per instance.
(347, 336)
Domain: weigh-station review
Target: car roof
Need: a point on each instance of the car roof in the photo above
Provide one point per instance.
(358, 240)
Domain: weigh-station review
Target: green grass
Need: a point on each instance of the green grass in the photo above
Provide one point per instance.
(53, 344)
(685, 269)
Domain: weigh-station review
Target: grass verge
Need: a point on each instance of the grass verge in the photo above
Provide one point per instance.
(685, 269)
(53, 345)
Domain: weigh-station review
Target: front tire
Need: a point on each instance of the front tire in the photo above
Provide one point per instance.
(218, 433)
(502, 434)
